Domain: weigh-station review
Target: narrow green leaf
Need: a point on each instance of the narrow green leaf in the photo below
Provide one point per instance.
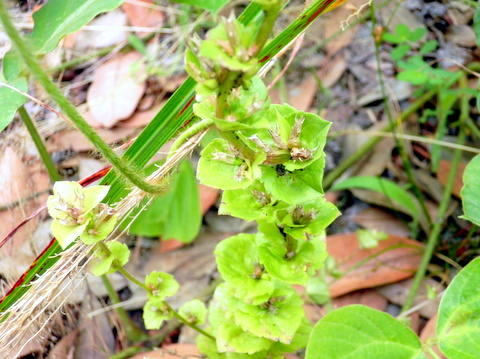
(360, 332)
(58, 18)
(470, 191)
(458, 327)
(10, 101)
(391, 190)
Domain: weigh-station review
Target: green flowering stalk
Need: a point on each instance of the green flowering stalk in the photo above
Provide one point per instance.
(269, 163)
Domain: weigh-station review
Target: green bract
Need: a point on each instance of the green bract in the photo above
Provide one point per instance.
(103, 262)
(238, 263)
(194, 311)
(162, 285)
(77, 211)
(155, 312)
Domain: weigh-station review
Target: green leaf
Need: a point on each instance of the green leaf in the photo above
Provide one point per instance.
(391, 190)
(213, 6)
(317, 290)
(194, 311)
(65, 235)
(415, 77)
(277, 319)
(11, 100)
(458, 326)
(103, 263)
(250, 204)
(428, 47)
(155, 312)
(12, 65)
(238, 263)
(400, 51)
(220, 167)
(161, 284)
(417, 34)
(289, 266)
(403, 30)
(394, 39)
(298, 342)
(232, 338)
(58, 18)
(176, 214)
(369, 239)
(359, 332)
(288, 186)
(208, 347)
(470, 191)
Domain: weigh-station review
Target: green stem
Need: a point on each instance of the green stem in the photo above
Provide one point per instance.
(126, 353)
(473, 127)
(271, 14)
(186, 322)
(33, 65)
(131, 278)
(432, 353)
(407, 165)
(134, 334)
(42, 149)
(189, 132)
(357, 156)
(438, 225)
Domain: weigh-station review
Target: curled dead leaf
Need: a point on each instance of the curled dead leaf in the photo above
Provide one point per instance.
(394, 259)
(117, 87)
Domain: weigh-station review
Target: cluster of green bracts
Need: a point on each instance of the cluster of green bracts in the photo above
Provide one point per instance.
(269, 162)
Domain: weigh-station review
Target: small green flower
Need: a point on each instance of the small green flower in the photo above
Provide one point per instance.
(76, 210)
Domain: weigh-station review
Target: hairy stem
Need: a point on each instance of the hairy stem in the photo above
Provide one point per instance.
(191, 131)
(34, 67)
(134, 334)
(438, 225)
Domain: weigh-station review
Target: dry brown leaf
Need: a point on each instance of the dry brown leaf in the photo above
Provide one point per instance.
(65, 348)
(333, 25)
(428, 332)
(106, 30)
(18, 181)
(172, 351)
(444, 171)
(144, 16)
(397, 293)
(368, 297)
(332, 70)
(300, 96)
(141, 118)
(394, 259)
(117, 87)
(74, 140)
(374, 218)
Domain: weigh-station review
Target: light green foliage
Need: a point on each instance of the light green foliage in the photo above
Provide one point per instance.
(161, 285)
(77, 212)
(194, 311)
(103, 263)
(10, 100)
(58, 18)
(458, 325)
(369, 239)
(399, 197)
(409, 57)
(359, 332)
(175, 214)
(471, 190)
(238, 263)
(155, 312)
(270, 165)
